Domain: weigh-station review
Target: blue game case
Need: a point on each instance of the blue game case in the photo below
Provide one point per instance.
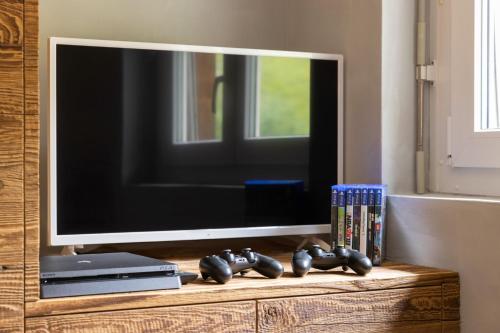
(334, 217)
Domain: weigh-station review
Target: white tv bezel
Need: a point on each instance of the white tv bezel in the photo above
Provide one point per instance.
(175, 235)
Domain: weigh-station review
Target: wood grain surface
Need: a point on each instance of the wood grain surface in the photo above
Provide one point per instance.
(220, 318)
(11, 300)
(32, 208)
(391, 327)
(252, 286)
(31, 151)
(451, 327)
(11, 23)
(11, 190)
(408, 304)
(11, 235)
(11, 158)
(451, 300)
(11, 167)
(11, 81)
(31, 58)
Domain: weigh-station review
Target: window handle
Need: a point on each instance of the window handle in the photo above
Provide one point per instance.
(217, 81)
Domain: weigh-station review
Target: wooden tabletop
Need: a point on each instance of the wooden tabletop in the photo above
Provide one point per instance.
(250, 287)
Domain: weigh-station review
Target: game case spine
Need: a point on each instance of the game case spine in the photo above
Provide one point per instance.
(349, 209)
(334, 218)
(341, 216)
(356, 218)
(371, 222)
(363, 234)
(379, 230)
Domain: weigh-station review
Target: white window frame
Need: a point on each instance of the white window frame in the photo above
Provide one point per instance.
(252, 98)
(463, 160)
(470, 146)
(185, 106)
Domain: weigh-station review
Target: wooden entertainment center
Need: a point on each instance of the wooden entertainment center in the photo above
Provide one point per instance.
(393, 298)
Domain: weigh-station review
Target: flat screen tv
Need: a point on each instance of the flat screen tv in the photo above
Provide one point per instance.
(159, 142)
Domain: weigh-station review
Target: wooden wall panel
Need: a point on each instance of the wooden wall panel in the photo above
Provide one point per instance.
(383, 307)
(11, 190)
(11, 23)
(220, 318)
(11, 300)
(11, 235)
(32, 151)
(11, 167)
(11, 158)
(31, 52)
(11, 81)
(32, 208)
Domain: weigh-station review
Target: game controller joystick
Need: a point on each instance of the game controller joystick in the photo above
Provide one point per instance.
(318, 258)
(222, 268)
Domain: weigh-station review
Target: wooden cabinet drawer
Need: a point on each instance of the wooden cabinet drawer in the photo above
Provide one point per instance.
(397, 310)
(11, 300)
(220, 317)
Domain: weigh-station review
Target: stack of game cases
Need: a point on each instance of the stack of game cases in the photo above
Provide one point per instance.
(358, 218)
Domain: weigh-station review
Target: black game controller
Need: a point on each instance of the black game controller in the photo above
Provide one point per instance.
(222, 268)
(303, 260)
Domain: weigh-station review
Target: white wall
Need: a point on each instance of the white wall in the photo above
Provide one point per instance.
(457, 234)
(398, 95)
(348, 27)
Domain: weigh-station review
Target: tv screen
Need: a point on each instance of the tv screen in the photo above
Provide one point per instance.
(153, 142)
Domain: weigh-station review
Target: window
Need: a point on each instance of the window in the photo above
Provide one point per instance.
(278, 97)
(197, 97)
(245, 109)
(488, 66)
(465, 98)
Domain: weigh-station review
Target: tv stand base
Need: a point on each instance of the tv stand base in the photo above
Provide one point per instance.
(70, 250)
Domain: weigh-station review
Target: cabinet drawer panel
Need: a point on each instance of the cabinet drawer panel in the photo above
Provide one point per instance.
(221, 317)
(313, 312)
(451, 327)
(11, 300)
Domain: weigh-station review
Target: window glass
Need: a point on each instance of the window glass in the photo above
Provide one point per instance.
(198, 97)
(283, 97)
(490, 65)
